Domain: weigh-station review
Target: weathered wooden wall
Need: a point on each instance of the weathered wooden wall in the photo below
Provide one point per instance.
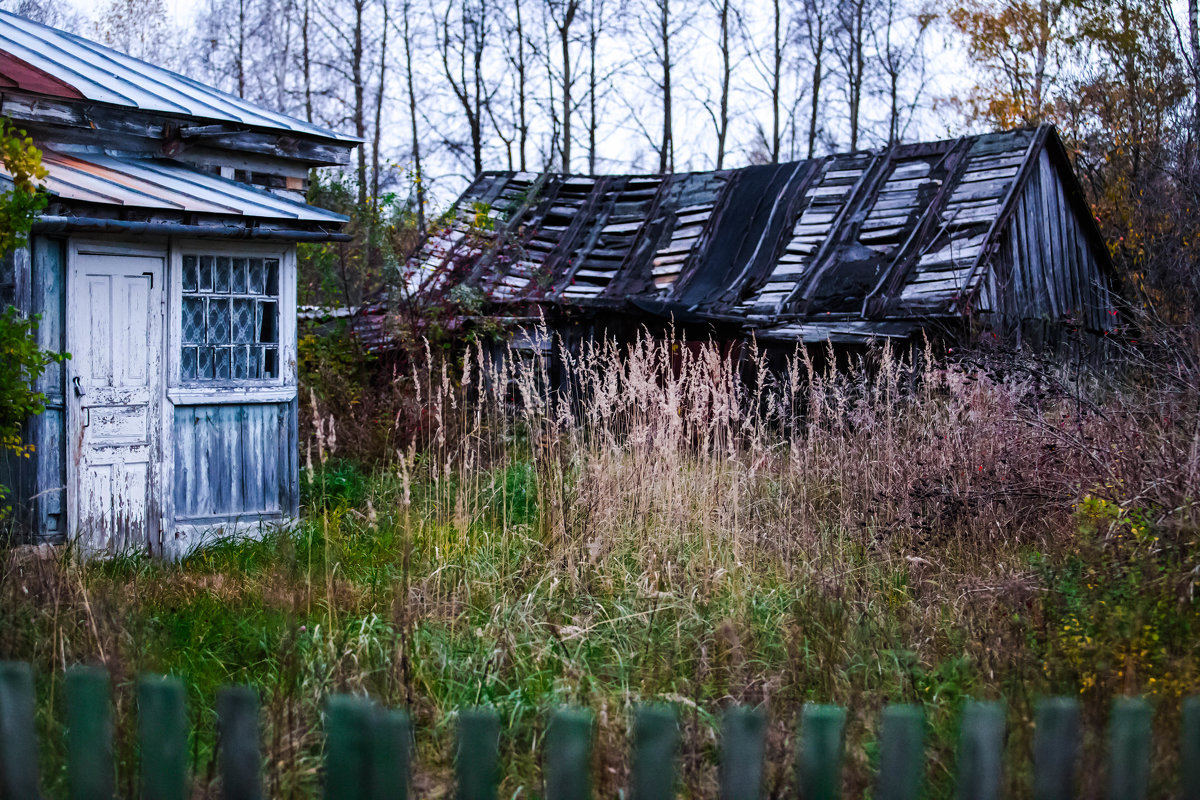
(1046, 269)
(34, 283)
(234, 460)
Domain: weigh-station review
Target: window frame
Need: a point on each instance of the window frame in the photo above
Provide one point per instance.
(283, 385)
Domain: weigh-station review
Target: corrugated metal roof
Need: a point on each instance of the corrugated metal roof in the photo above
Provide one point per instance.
(159, 183)
(104, 75)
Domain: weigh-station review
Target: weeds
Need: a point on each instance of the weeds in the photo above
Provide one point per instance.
(665, 530)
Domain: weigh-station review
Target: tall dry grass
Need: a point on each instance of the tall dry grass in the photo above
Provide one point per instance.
(664, 522)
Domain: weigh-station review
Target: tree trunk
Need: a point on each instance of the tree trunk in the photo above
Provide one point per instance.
(726, 76)
(418, 177)
(522, 122)
(666, 153)
(776, 79)
(360, 122)
(307, 56)
(377, 133)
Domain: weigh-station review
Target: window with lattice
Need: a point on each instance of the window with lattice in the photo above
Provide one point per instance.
(230, 309)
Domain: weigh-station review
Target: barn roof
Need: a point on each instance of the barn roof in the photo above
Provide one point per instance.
(850, 246)
(45, 61)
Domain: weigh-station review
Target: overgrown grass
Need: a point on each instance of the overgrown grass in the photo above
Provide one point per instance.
(668, 532)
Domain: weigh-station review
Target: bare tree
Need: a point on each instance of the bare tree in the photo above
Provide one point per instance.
(817, 23)
(852, 30)
(726, 18)
(562, 15)
(463, 41)
(407, 36)
(661, 26)
(899, 45)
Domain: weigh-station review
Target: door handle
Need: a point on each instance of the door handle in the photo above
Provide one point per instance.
(79, 390)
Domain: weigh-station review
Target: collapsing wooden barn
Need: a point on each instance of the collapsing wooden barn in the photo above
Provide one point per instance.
(165, 264)
(986, 234)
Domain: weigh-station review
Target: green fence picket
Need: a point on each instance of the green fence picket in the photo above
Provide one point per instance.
(89, 734)
(163, 737)
(819, 752)
(347, 747)
(1055, 748)
(241, 759)
(981, 751)
(568, 755)
(743, 732)
(477, 756)
(1189, 749)
(391, 736)
(901, 753)
(655, 747)
(1129, 748)
(18, 736)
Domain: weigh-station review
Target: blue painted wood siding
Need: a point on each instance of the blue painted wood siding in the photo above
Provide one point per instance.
(33, 281)
(235, 462)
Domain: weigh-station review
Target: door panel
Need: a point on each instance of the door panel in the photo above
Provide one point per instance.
(115, 388)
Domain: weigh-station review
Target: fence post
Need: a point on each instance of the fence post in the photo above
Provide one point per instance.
(1189, 749)
(1129, 748)
(981, 751)
(655, 745)
(1055, 748)
(391, 735)
(18, 736)
(819, 752)
(89, 734)
(163, 734)
(568, 753)
(478, 754)
(742, 734)
(901, 753)
(241, 759)
(347, 747)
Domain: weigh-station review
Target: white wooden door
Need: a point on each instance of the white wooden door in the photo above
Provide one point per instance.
(114, 397)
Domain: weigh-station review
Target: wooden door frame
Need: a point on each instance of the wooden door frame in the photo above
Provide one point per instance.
(77, 247)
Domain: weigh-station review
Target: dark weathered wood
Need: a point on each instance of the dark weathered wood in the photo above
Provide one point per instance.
(348, 748)
(477, 757)
(1055, 748)
(568, 755)
(1129, 749)
(241, 762)
(18, 736)
(901, 753)
(655, 747)
(819, 754)
(1189, 749)
(163, 738)
(391, 740)
(981, 751)
(743, 733)
(89, 734)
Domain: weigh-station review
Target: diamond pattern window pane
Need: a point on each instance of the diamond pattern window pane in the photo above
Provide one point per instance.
(243, 321)
(222, 277)
(238, 281)
(230, 319)
(206, 271)
(205, 361)
(193, 320)
(218, 320)
(258, 277)
(189, 273)
(187, 364)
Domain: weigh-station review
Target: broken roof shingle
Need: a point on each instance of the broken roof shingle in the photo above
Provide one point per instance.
(869, 243)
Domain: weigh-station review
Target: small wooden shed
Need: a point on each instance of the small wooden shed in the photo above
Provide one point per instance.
(985, 235)
(165, 265)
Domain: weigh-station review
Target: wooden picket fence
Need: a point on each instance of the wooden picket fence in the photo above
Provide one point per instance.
(367, 747)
